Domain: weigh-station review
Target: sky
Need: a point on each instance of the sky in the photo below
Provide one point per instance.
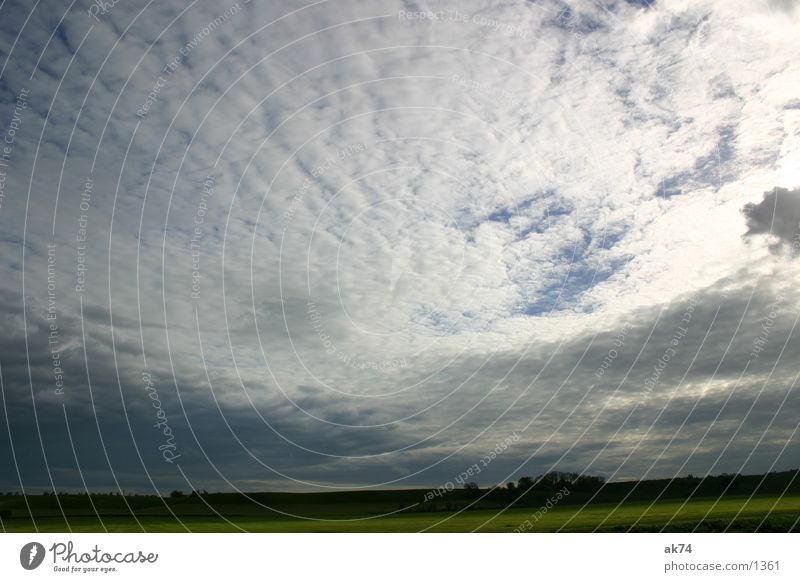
(273, 245)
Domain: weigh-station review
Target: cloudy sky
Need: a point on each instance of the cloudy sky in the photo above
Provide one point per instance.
(352, 244)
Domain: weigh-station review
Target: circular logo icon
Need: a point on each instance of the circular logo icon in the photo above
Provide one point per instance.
(31, 555)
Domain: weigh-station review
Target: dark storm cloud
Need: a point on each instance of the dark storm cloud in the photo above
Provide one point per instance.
(718, 363)
(778, 215)
(617, 422)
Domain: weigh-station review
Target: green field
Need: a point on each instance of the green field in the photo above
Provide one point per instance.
(363, 515)
(742, 503)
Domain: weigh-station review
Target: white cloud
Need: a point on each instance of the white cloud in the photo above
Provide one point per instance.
(454, 197)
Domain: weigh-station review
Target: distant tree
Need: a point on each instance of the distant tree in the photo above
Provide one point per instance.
(583, 483)
(176, 493)
(524, 483)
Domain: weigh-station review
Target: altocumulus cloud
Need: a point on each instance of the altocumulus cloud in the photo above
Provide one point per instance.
(358, 244)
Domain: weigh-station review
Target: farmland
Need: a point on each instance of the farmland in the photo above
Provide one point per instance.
(617, 507)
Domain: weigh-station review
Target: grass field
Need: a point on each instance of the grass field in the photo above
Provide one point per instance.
(742, 503)
(705, 514)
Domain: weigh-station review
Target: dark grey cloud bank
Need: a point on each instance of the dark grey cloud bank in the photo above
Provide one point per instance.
(778, 215)
(359, 246)
(725, 398)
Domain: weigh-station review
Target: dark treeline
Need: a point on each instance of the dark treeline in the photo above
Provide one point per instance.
(579, 489)
(558, 480)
